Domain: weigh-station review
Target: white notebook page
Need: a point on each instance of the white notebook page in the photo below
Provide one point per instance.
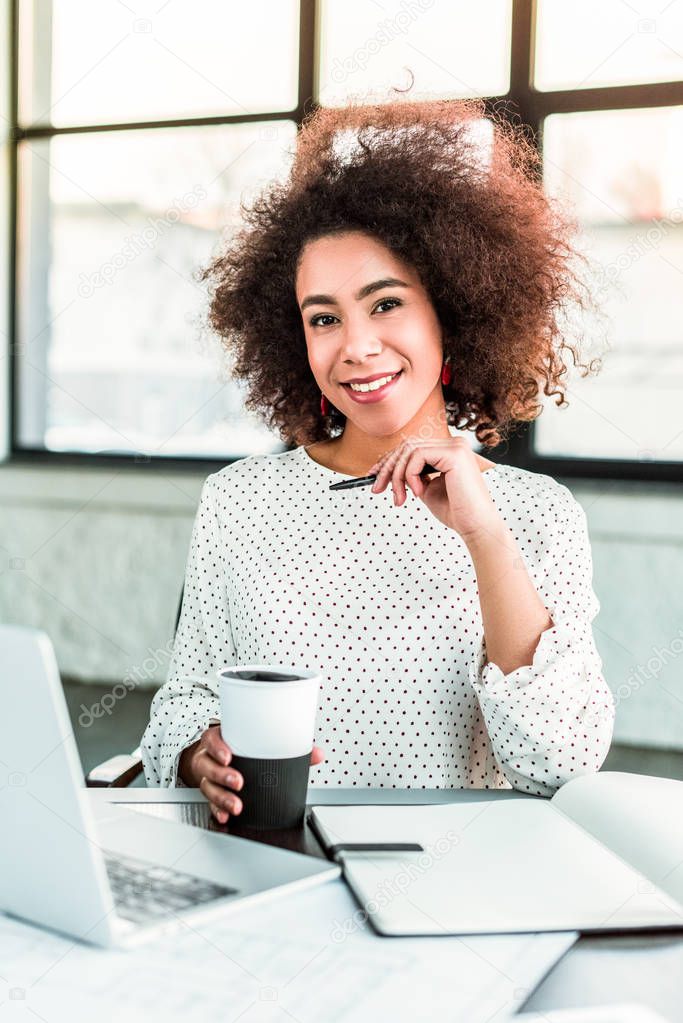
(638, 816)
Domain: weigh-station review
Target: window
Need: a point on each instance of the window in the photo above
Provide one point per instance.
(136, 132)
(583, 44)
(454, 50)
(606, 102)
(620, 170)
(139, 132)
(125, 217)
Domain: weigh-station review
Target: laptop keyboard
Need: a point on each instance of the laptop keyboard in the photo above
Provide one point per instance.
(144, 891)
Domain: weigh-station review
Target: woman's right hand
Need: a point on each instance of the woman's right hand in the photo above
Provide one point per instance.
(204, 765)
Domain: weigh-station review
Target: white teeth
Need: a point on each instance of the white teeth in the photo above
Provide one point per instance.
(374, 386)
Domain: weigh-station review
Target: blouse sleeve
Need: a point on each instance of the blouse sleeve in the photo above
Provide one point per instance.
(553, 719)
(188, 701)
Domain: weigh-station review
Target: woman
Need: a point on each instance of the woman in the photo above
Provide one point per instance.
(452, 629)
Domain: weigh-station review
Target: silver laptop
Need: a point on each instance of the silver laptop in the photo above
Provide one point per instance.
(102, 873)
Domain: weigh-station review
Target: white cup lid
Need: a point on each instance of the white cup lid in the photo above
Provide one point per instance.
(246, 674)
(269, 717)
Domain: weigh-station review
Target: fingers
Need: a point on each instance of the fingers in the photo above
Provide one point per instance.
(414, 480)
(213, 741)
(317, 755)
(211, 758)
(380, 472)
(221, 816)
(391, 470)
(401, 468)
(406, 470)
(226, 777)
(222, 802)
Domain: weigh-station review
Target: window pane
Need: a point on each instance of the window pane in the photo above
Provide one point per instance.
(453, 50)
(102, 63)
(622, 171)
(584, 44)
(112, 227)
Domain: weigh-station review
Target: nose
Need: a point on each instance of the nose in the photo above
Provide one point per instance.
(358, 340)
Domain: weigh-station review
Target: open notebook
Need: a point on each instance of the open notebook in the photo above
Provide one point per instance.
(605, 853)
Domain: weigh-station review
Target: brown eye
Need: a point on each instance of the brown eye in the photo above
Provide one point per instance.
(395, 302)
(315, 320)
(321, 316)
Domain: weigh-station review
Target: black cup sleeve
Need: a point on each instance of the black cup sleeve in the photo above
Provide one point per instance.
(274, 791)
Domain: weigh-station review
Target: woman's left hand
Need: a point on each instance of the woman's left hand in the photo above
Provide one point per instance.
(458, 497)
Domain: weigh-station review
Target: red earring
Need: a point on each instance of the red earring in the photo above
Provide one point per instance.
(446, 374)
(324, 405)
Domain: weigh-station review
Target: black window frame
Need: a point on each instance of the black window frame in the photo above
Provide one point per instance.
(522, 104)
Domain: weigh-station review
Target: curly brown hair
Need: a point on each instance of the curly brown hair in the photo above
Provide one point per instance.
(494, 254)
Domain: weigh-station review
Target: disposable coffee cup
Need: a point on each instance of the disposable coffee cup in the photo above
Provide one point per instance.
(268, 721)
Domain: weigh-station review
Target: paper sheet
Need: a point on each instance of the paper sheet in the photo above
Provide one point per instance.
(609, 803)
(303, 957)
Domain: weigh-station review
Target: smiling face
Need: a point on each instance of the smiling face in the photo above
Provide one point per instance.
(366, 313)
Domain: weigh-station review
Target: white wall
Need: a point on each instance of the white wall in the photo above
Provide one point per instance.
(96, 557)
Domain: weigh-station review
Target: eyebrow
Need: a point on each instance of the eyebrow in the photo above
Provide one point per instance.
(367, 289)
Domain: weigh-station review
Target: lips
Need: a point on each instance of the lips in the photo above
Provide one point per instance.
(371, 380)
(368, 397)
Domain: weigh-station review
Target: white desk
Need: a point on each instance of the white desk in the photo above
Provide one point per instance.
(597, 970)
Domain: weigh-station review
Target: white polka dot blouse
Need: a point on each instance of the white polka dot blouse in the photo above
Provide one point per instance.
(383, 601)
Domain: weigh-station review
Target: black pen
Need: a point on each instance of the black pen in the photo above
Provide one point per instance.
(366, 481)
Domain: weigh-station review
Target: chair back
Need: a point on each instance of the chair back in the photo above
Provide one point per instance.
(180, 607)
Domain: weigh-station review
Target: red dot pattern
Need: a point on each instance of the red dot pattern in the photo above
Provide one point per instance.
(383, 601)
